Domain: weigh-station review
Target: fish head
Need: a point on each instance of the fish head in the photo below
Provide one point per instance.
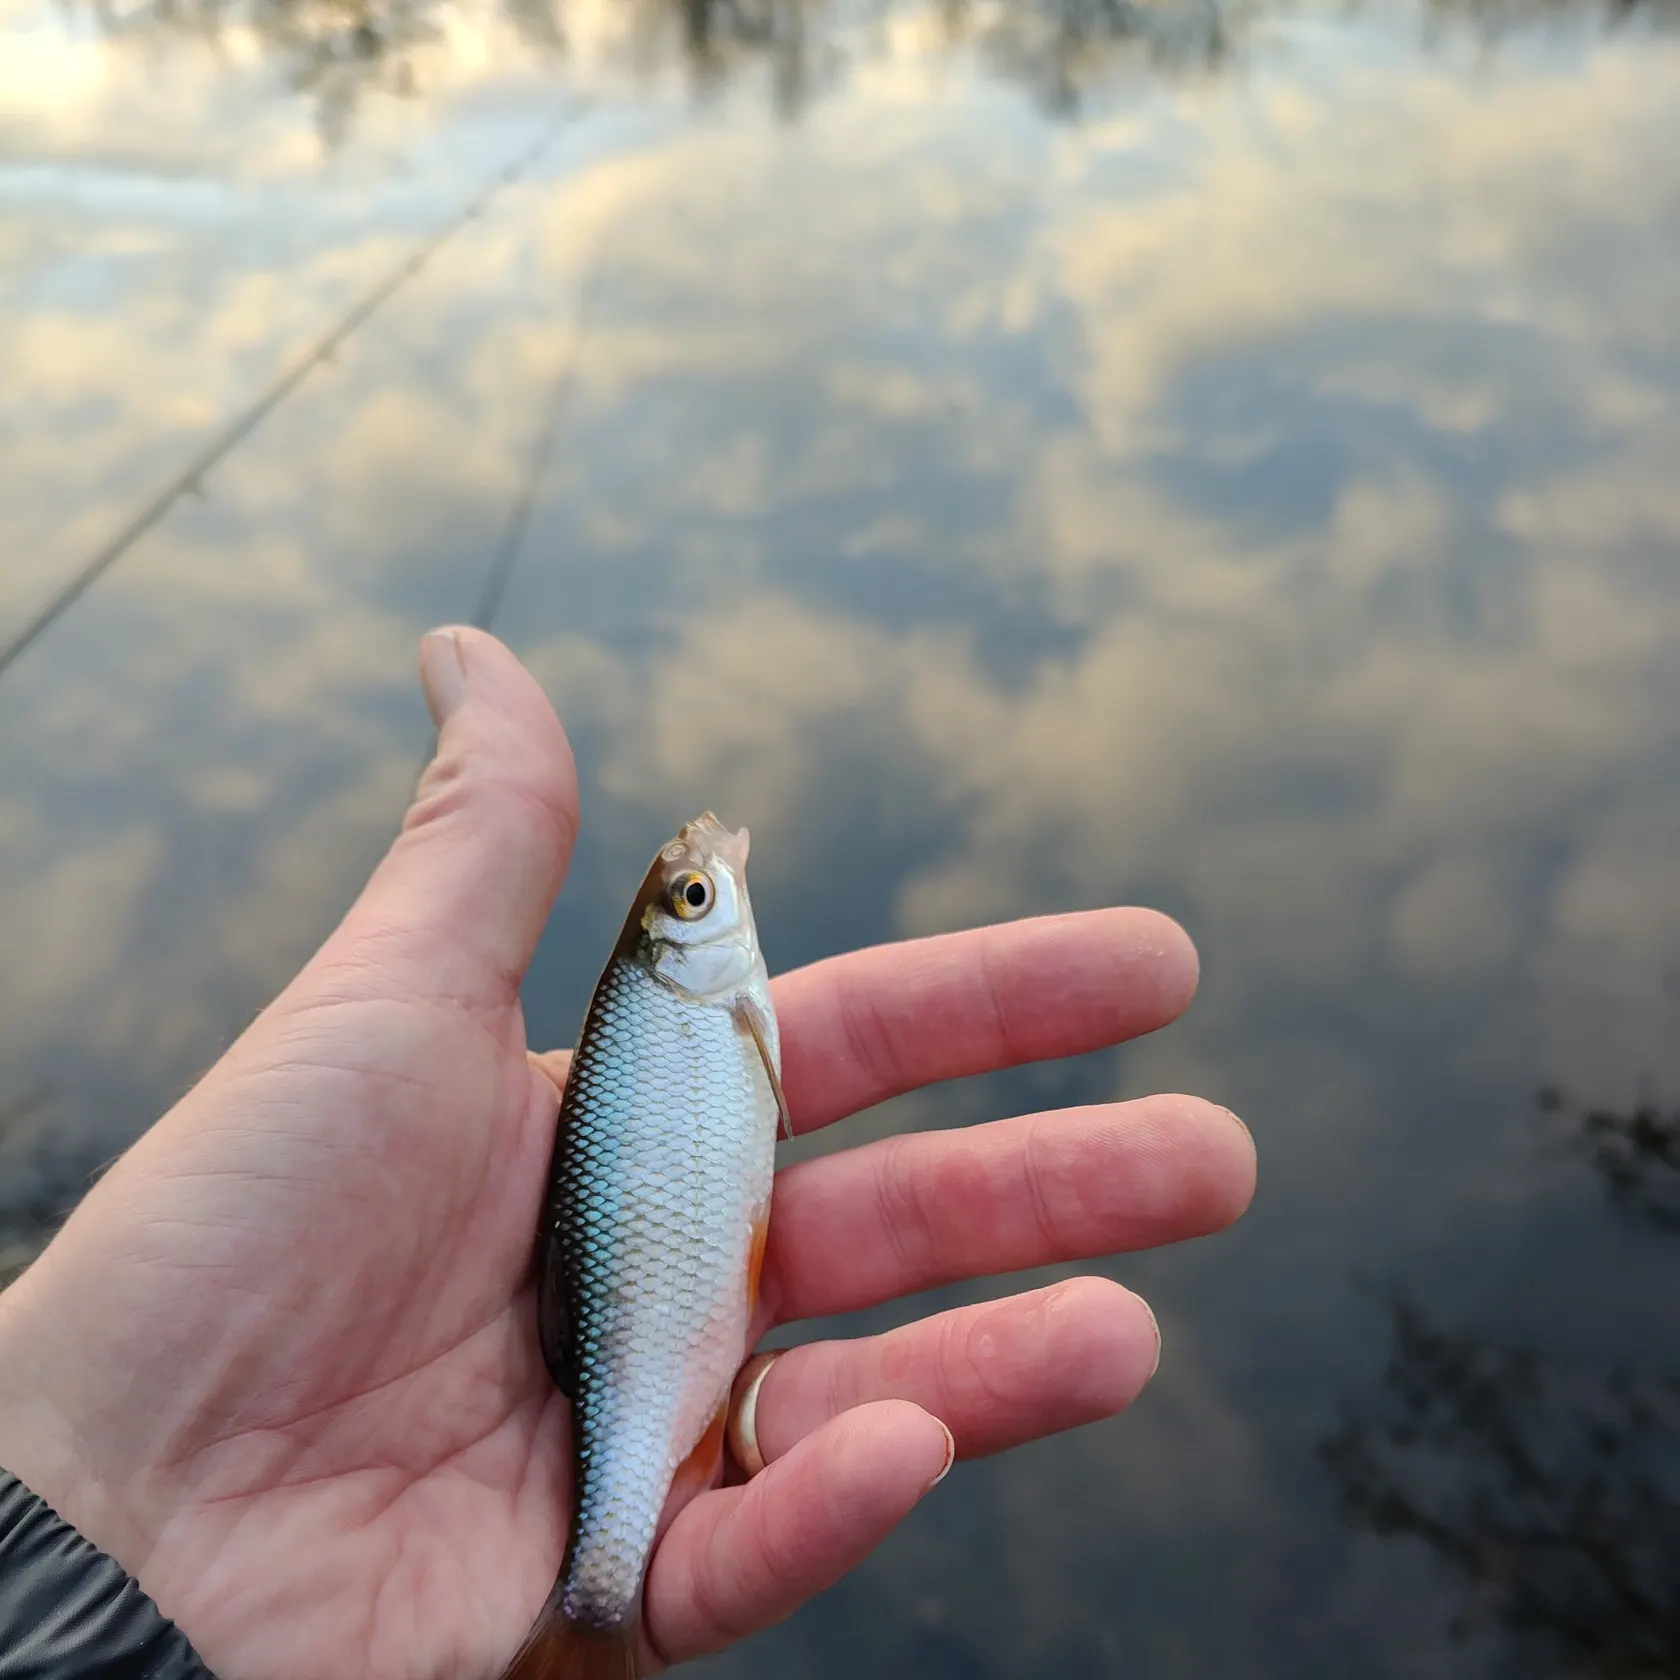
(697, 921)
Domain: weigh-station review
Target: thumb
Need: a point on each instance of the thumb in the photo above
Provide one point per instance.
(456, 906)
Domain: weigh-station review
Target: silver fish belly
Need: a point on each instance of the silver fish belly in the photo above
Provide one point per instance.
(665, 1169)
(653, 1232)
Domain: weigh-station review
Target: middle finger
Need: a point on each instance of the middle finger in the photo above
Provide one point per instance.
(867, 1225)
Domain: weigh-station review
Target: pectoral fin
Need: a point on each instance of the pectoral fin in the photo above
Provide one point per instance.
(750, 1019)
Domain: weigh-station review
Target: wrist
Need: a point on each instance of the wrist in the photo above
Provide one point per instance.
(40, 1443)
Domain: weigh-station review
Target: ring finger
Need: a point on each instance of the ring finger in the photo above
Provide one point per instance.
(997, 1374)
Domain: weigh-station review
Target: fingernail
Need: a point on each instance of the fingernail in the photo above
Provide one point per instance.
(1239, 1120)
(1155, 1325)
(443, 676)
(950, 1457)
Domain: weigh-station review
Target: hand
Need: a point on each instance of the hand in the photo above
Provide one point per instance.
(282, 1362)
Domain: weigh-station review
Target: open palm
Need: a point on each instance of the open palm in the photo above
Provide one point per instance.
(282, 1362)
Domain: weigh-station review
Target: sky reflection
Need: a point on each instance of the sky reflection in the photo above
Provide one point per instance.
(1255, 498)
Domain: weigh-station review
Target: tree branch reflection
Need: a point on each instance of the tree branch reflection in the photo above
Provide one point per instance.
(1491, 21)
(1636, 1156)
(339, 52)
(1549, 1486)
(1064, 52)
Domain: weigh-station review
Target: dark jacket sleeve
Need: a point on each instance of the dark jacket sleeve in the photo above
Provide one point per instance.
(68, 1612)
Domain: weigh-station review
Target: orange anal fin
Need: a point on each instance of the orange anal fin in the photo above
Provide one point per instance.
(755, 1257)
(699, 1470)
(560, 1649)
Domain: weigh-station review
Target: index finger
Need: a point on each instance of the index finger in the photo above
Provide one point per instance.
(859, 1028)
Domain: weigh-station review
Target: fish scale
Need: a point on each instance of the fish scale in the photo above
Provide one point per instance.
(653, 1229)
(670, 1097)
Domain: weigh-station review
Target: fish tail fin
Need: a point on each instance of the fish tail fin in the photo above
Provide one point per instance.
(558, 1648)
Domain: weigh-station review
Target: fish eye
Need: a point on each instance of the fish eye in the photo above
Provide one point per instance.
(691, 895)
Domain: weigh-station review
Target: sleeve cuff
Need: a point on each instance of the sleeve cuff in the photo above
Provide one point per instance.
(69, 1612)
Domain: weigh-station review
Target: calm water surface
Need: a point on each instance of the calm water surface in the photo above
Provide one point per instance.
(1015, 456)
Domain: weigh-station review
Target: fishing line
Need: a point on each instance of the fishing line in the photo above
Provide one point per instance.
(505, 556)
(191, 477)
(510, 545)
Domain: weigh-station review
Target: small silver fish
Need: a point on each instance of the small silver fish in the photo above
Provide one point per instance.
(653, 1233)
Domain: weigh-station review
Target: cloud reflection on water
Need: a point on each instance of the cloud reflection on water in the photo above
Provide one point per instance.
(1256, 500)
